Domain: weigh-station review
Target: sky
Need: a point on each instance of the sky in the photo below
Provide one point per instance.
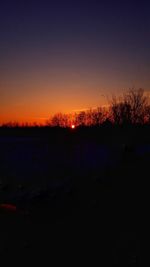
(64, 56)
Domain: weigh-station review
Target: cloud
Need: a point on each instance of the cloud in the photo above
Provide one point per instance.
(80, 110)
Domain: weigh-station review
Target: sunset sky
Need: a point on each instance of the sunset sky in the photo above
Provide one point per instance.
(63, 56)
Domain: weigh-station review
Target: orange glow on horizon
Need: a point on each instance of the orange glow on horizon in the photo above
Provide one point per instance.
(37, 102)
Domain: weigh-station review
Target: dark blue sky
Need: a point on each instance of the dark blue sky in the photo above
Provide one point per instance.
(63, 55)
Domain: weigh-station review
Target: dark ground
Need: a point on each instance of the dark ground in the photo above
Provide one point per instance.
(97, 220)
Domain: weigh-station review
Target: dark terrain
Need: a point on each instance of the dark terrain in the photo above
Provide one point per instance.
(78, 196)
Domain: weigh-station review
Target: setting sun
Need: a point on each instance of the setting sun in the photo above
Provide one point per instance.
(73, 126)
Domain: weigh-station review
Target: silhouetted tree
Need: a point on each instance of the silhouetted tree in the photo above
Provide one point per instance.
(98, 116)
(115, 110)
(81, 118)
(59, 120)
(131, 108)
(147, 115)
(138, 103)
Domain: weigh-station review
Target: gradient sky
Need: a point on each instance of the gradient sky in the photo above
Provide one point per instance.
(62, 56)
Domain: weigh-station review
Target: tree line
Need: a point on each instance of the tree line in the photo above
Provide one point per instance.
(132, 107)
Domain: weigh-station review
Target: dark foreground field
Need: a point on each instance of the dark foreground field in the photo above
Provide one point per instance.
(71, 215)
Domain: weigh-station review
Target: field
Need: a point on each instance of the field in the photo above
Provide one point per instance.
(73, 196)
